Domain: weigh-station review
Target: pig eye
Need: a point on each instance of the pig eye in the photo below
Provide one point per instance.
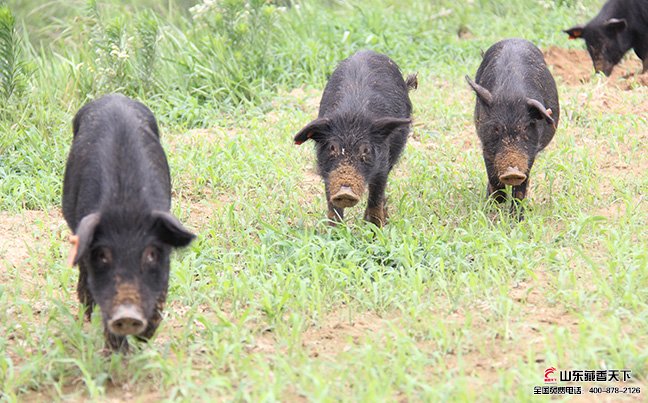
(335, 150)
(102, 255)
(151, 255)
(364, 152)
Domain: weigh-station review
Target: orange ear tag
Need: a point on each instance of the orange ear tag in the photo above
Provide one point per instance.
(74, 240)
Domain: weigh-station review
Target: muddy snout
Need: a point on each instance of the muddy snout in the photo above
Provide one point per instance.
(512, 166)
(512, 176)
(127, 320)
(345, 197)
(346, 185)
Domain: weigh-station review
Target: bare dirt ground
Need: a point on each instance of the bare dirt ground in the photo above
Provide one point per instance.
(574, 67)
(19, 234)
(336, 333)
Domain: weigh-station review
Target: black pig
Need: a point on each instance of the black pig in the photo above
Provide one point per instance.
(116, 200)
(621, 25)
(516, 113)
(361, 130)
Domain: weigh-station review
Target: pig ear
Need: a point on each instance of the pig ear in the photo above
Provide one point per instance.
(412, 81)
(616, 25)
(169, 230)
(83, 236)
(315, 130)
(538, 111)
(575, 32)
(384, 126)
(482, 93)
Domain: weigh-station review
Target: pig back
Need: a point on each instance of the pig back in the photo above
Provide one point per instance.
(368, 86)
(368, 83)
(116, 160)
(514, 70)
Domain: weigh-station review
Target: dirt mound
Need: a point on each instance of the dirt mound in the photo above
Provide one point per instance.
(574, 66)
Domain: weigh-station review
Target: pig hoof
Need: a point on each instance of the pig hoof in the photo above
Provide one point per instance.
(518, 213)
(375, 220)
(335, 215)
(87, 311)
(375, 216)
(497, 195)
(517, 209)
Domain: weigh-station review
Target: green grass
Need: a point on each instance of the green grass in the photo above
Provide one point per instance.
(452, 300)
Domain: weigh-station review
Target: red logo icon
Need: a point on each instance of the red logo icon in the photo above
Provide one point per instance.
(548, 372)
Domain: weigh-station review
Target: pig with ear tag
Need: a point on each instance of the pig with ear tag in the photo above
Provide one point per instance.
(116, 201)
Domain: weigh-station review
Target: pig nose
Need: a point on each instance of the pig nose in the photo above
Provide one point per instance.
(128, 319)
(513, 176)
(603, 68)
(345, 197)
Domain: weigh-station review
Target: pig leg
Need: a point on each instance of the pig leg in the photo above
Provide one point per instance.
(496, 192)
(83, 292)
(495, 189)
(376, 212)
(519, 193)
(335, 214)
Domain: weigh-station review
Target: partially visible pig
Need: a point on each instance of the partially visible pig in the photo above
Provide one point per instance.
(516, 113)
(621, 25)
(116, 201)
(361, 130)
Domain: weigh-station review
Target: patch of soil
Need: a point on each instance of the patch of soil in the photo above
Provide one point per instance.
(572, 65)
(114, 394)
(18, 235)
(535, 315)
(339, 333)
(575, 67)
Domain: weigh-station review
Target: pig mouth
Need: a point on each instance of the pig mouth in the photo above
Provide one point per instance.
(604, 67)
(512, 176)
(345, 197)
(346, 186)
(605, 70)
(127, 320)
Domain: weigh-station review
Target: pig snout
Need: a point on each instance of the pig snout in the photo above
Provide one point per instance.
(512, 166)
(345, 197)
(127, 319)
(346, 185)
(603, 66)
(512, 176)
